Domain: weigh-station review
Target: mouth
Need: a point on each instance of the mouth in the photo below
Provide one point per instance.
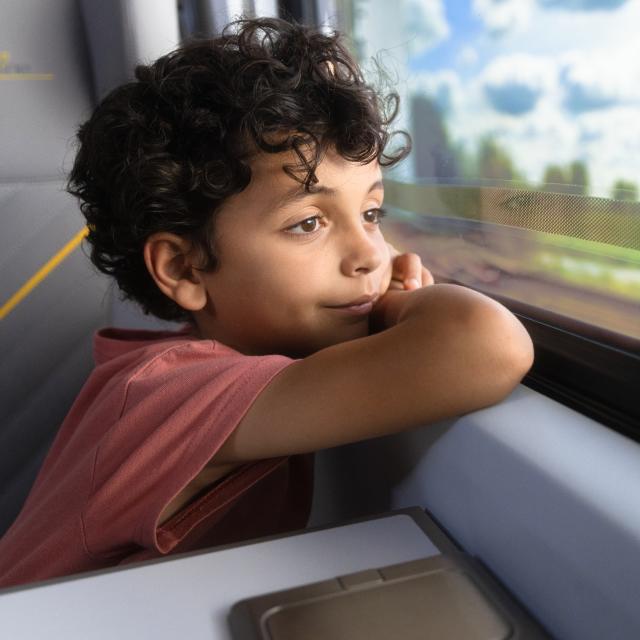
(359, 306)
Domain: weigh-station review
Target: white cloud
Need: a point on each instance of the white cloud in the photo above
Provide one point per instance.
(600, 79)
(610, 141)
(542, 138)
(515, 83)
(425, 24)
(467, 57)
(583, 5)
(503, 16)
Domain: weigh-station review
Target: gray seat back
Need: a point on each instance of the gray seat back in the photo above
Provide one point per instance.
(52, 299)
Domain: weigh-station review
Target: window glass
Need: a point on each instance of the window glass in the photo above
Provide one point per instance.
(525, 175)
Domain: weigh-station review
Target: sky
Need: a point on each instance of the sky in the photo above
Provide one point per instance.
(552, 80)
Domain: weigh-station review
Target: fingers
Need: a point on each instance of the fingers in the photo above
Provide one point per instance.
(407, 267)
(427, 277)
(409, 273)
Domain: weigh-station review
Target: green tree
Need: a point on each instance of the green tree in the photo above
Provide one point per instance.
(579, 177)
(625, 190)
(466, 161)
(494, 162)
(574, 178)
(554, 174)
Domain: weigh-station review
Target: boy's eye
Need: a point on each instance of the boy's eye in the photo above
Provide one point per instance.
(374, 215)
(306, 226)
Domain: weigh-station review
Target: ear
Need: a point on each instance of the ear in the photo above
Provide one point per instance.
(169, 259)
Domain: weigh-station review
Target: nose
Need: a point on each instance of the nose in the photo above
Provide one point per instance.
(363, 252)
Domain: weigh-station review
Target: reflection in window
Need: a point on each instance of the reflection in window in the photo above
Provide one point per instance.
(525, 117)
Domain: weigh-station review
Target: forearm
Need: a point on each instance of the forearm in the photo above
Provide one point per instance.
(492, 339)
(450, 351)
(397, 305)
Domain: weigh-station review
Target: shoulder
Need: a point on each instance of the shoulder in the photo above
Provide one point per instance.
(200, 360)
(189, 377)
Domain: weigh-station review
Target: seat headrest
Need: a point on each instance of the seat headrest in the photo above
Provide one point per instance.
(54, 65)
(45, 87)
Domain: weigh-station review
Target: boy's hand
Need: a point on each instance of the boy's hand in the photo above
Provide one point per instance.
(407, 272)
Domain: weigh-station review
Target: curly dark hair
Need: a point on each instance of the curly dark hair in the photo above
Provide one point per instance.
(163, 152)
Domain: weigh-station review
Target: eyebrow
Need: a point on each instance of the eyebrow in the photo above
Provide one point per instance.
(299, 193)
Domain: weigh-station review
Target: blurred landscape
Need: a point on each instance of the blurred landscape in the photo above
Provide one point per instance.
(524, 179)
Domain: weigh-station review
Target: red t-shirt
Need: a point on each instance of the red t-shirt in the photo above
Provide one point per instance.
(155, 409)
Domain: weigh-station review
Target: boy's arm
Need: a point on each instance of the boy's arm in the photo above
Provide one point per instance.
(447, 350)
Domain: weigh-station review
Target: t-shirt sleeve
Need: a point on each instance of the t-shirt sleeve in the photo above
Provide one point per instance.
(177, 412)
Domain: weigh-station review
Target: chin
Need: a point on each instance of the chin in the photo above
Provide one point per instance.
(354, 332)
(306, 346)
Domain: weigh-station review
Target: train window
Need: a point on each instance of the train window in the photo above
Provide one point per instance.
(525, 174)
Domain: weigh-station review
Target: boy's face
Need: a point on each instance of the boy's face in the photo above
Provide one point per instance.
(288, 259)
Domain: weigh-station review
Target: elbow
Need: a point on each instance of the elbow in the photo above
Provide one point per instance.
(526, 354)
(519, 359)
(508, 349)
(520, 354)
(516, 351)
(483, 350)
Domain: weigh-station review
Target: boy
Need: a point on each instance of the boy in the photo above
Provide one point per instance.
(236, 185)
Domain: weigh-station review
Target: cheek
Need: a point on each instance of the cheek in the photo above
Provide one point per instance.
(387, 269)
(285, 282)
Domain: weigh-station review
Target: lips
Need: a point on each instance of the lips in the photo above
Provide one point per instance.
(355, 309)
(362, 300)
